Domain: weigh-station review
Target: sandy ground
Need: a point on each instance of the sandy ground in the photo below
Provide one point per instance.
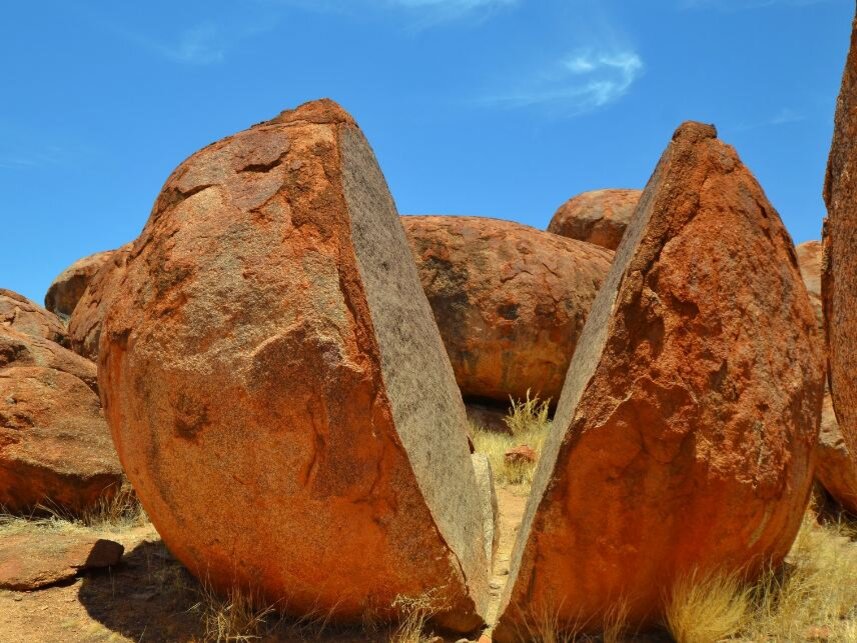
(146, 598)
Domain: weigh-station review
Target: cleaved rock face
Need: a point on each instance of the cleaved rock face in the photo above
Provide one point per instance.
(684, 436)
(510, 300)
(84, 326)
(277, 387)
(68, 287)
(599, 217)
(810, 259)
(55, 448)
(839, 278)
(21, 314)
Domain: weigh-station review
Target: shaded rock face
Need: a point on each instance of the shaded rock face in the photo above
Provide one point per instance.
(684, 436)
(31, 561)
(834, 467)
(510, 300)
(835, 470)
(67, 289)
(490, 508)
(598, 217)
(55, 448)
(277, 387)
(84, 326)
(25, 316)
(839, 278)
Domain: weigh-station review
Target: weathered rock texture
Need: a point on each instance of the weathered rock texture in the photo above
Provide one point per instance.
(68, 287)
(684, 436)
(839, 279)
(55, 448)
(599, 217)
(510, 300)
(21, 314)
(84, 326)
(277, 387)
(18, 349)
(490, 508)
(835, 470)
(30, 561)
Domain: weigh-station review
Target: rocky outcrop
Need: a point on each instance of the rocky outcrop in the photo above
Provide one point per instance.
(510, 300)
(84, 326)
(277, 387)
(18, 349)
(683, 439)
(598, 217)
(55, 448)
(21, 314)
(839, 278)
(67, 289)
(810, 259)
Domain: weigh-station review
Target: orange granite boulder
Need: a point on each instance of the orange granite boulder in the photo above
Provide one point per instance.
(839, 275)
(510, 300)
(277, 387)
(67, 289)
(684, 436)
(598, 217)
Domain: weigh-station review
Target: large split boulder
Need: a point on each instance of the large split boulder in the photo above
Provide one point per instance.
(839, 278)
(599, 216)
(55, 447)
(684, 435)
(835, 469)
(84, 326)
(67, 289)
(25, 316)
(277, 387)
(510, 300)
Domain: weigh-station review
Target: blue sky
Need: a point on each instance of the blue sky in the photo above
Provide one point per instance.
(502, 108)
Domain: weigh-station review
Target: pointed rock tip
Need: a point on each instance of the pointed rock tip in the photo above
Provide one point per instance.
(320, 111)
(693, 131)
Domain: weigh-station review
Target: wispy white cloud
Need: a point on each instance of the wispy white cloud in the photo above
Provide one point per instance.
(33, 156)
(580, 82)
(786, 115)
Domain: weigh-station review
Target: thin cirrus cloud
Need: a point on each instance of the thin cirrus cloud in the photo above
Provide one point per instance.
(737, 5)
(581, 82)
(199, 45)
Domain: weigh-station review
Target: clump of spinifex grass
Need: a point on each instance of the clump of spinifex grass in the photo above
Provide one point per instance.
(528, 423)
(814, 595)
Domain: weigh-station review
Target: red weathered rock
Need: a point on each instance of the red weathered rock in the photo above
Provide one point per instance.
(67, 289)
(810, 259)
(30, 561)
(834, 467)
(21, 314)
(510, 300)
(598, 217)
(684, 436)
(84, 326)
(522, 454)
(278, 390)
(18, 349)
(839, 278)
(55, 448)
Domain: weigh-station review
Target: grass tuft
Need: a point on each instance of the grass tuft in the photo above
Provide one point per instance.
(529, 425)
(237, 615)
(707, 607)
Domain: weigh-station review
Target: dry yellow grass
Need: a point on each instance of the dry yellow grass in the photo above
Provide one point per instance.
(528, 425)
(813, 596)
